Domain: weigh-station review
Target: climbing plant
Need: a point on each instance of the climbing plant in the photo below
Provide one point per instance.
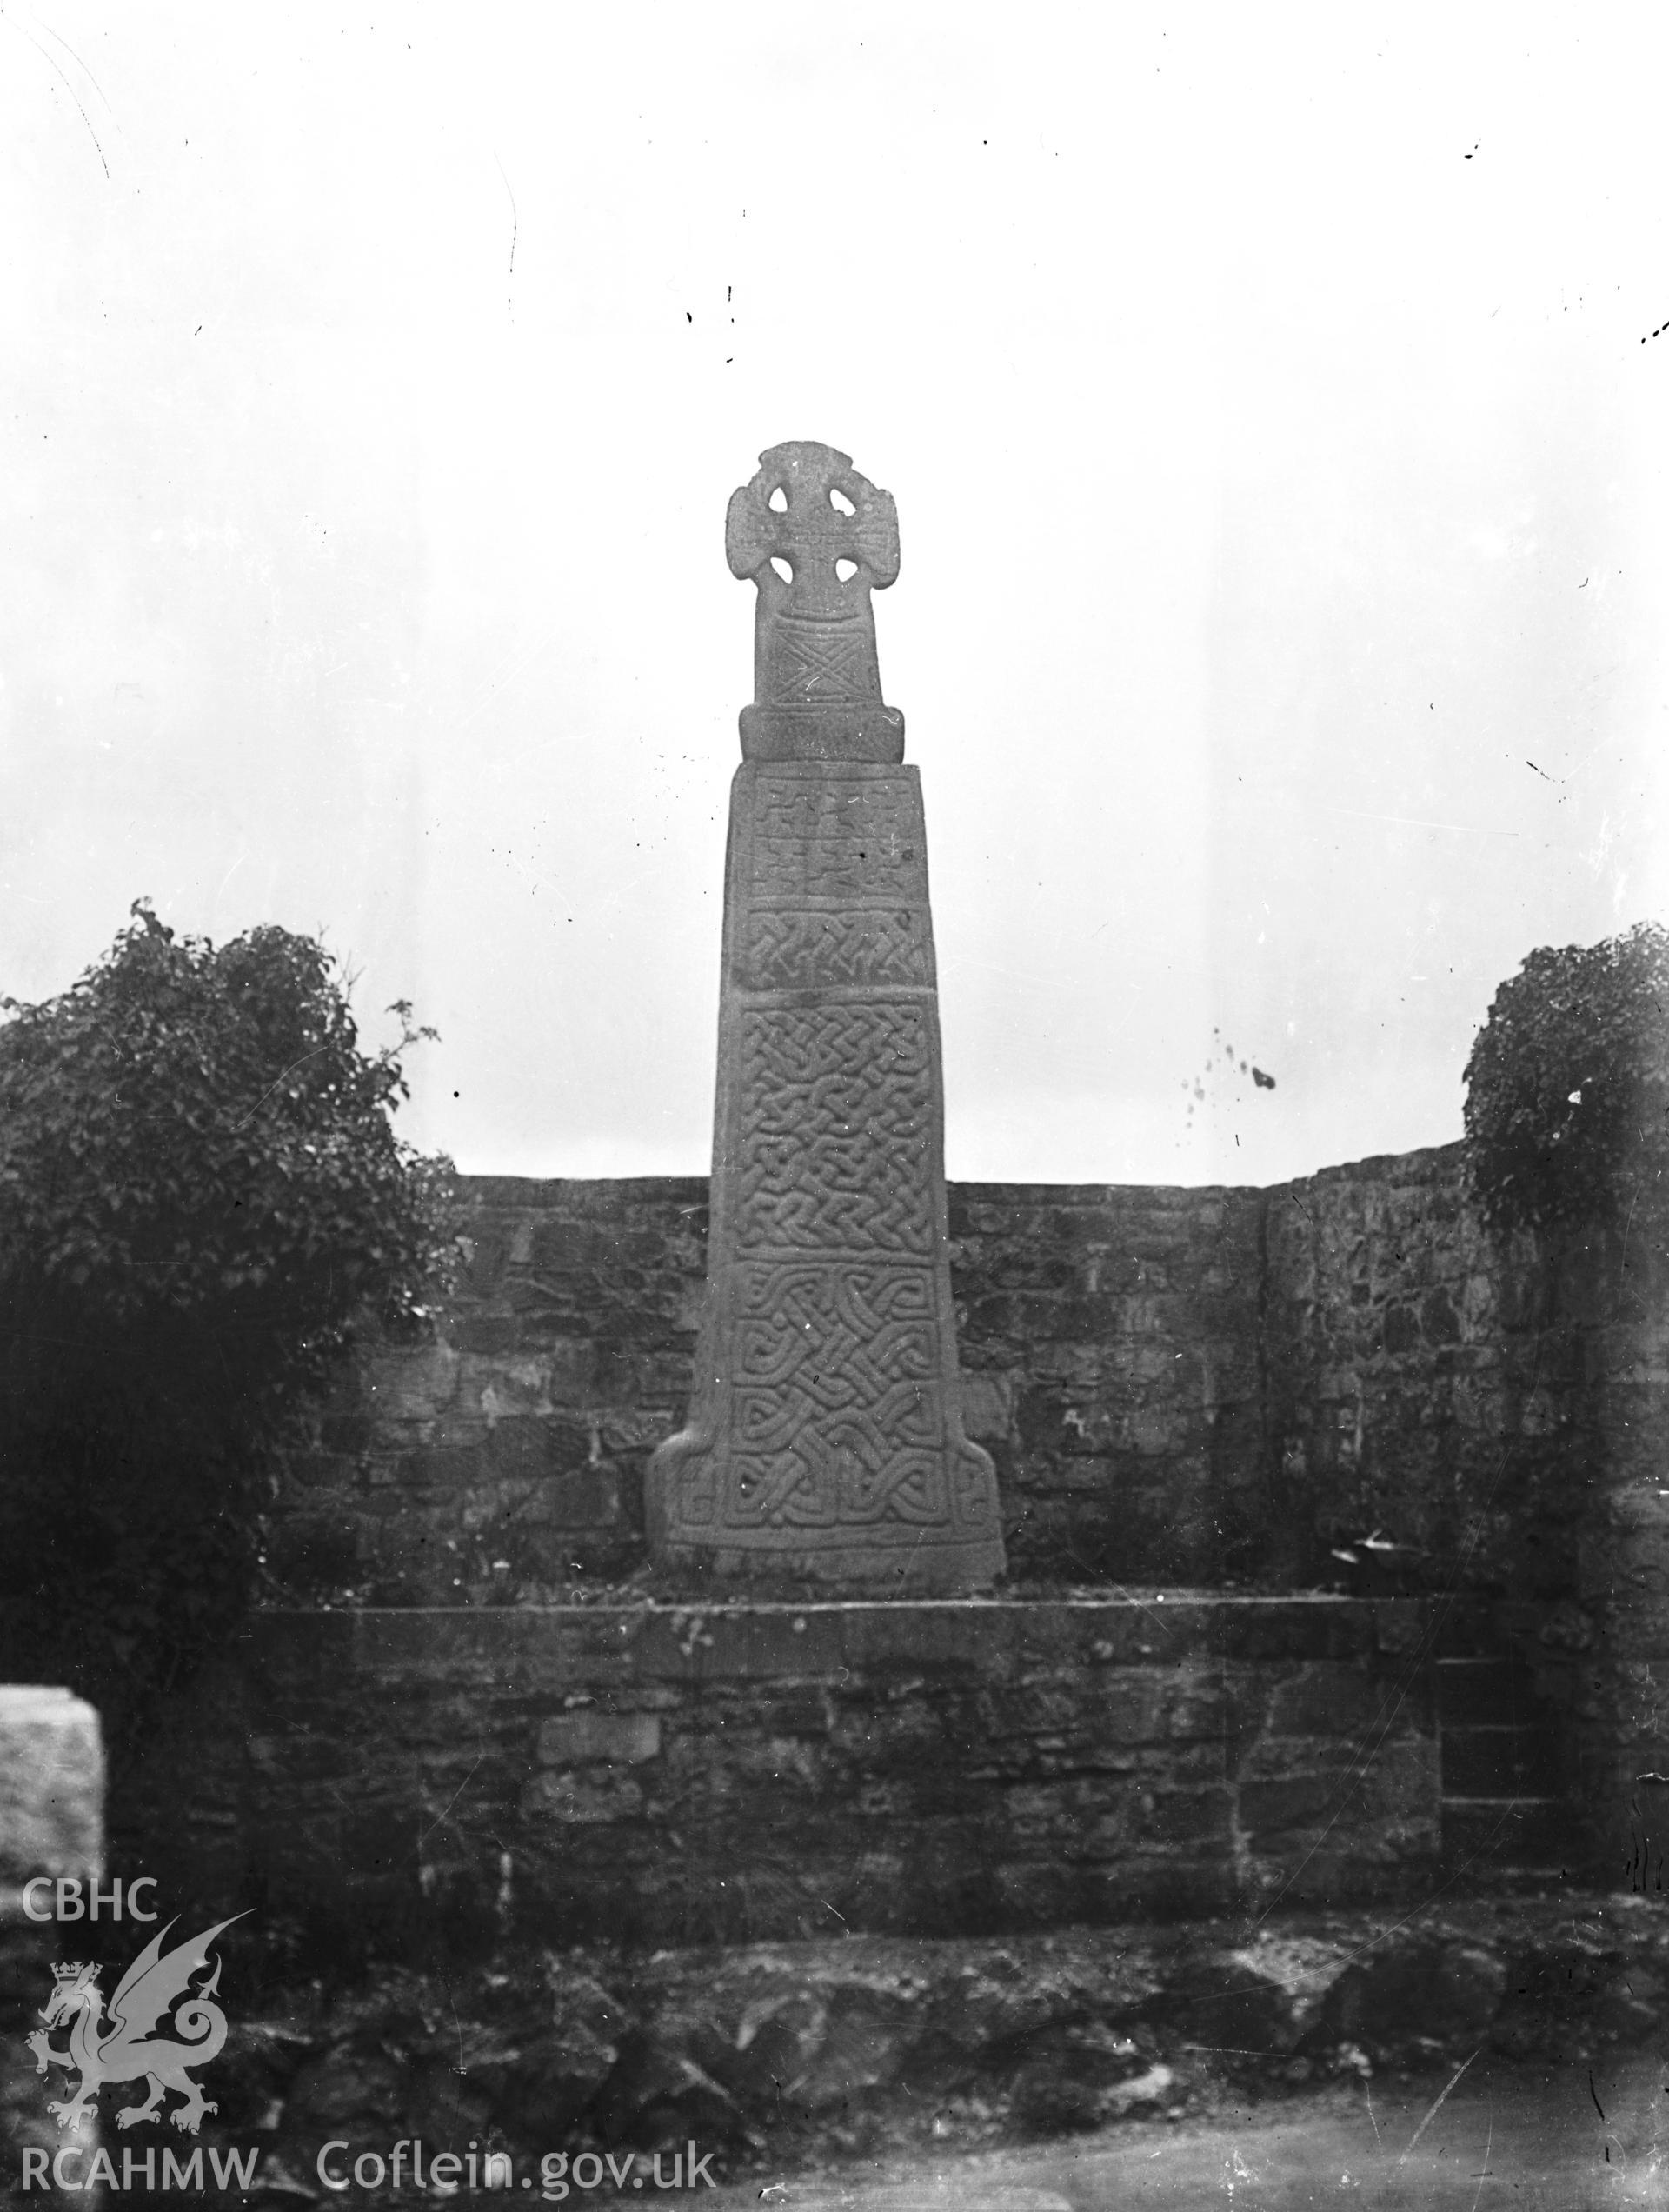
(202, 1200)
(1567, 1085)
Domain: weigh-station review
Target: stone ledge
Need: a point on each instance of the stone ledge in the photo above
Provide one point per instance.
(662, 1773)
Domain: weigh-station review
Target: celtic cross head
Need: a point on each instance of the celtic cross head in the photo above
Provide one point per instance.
(816, 538)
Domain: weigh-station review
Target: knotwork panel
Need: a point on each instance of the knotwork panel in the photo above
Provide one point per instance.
(833, 837)
(836, 1121)
(824, 1483)
(837, 1408)
(800, 952)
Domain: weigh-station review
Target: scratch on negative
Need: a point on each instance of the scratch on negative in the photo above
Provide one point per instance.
(452, 1800)
(1485, 2175)
(273, 1086)
(1442, 2098)
(59, 71)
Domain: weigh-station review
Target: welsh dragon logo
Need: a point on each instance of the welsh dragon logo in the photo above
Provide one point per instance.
(126, 2047)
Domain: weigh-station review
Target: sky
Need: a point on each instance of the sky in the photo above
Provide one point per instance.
(1276, 411)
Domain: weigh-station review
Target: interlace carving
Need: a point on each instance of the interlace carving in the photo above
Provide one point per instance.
(790, 951)
(825, 1436)
(836, 1110)
(837, 880)
(838, 1409)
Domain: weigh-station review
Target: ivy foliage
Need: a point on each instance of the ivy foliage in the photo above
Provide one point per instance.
(202, 1200)
(1567, 1085)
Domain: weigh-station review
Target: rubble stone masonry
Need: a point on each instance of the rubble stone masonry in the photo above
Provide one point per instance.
(1197, 1401)
(1209, 1386)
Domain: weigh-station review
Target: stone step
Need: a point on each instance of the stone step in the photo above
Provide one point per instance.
(1522, 1832)
(1486, 1693)
(1499, 1761)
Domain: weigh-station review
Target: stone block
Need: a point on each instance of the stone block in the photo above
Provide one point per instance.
(1332, 1699)
(988, 1404)
(489, 1333)
(51, 1786)
(488, 1253)
(412, 1385)
(1306, 1799)
(588, 1499)
(581, 1803)
(1292, 1628)
(506, 1385)
(629, 1429)
(317, 1551)
(962, 1638)
(1402, 1626)
(433, 1472)
(347, 1432)
(779, 1643)
(1129, 1710)
(575, 1739)
(1184, 1816)
(329, 1475)
(521, 1449)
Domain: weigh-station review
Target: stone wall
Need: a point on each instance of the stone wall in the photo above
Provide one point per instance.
(1185, 1392)
(1421, 1382)
(1501, 1407)
(1109, 1342)
(520, 1434)
(1206, 1387)
(652, 1774)
(1607, 1654)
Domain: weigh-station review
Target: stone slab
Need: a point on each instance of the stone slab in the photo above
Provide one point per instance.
(51, 1788)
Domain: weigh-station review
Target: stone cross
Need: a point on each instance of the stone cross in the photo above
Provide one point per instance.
(825, 1435)
(805, 516)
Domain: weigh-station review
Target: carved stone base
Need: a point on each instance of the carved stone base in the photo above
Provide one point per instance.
(825, 1438)
(870, 732)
